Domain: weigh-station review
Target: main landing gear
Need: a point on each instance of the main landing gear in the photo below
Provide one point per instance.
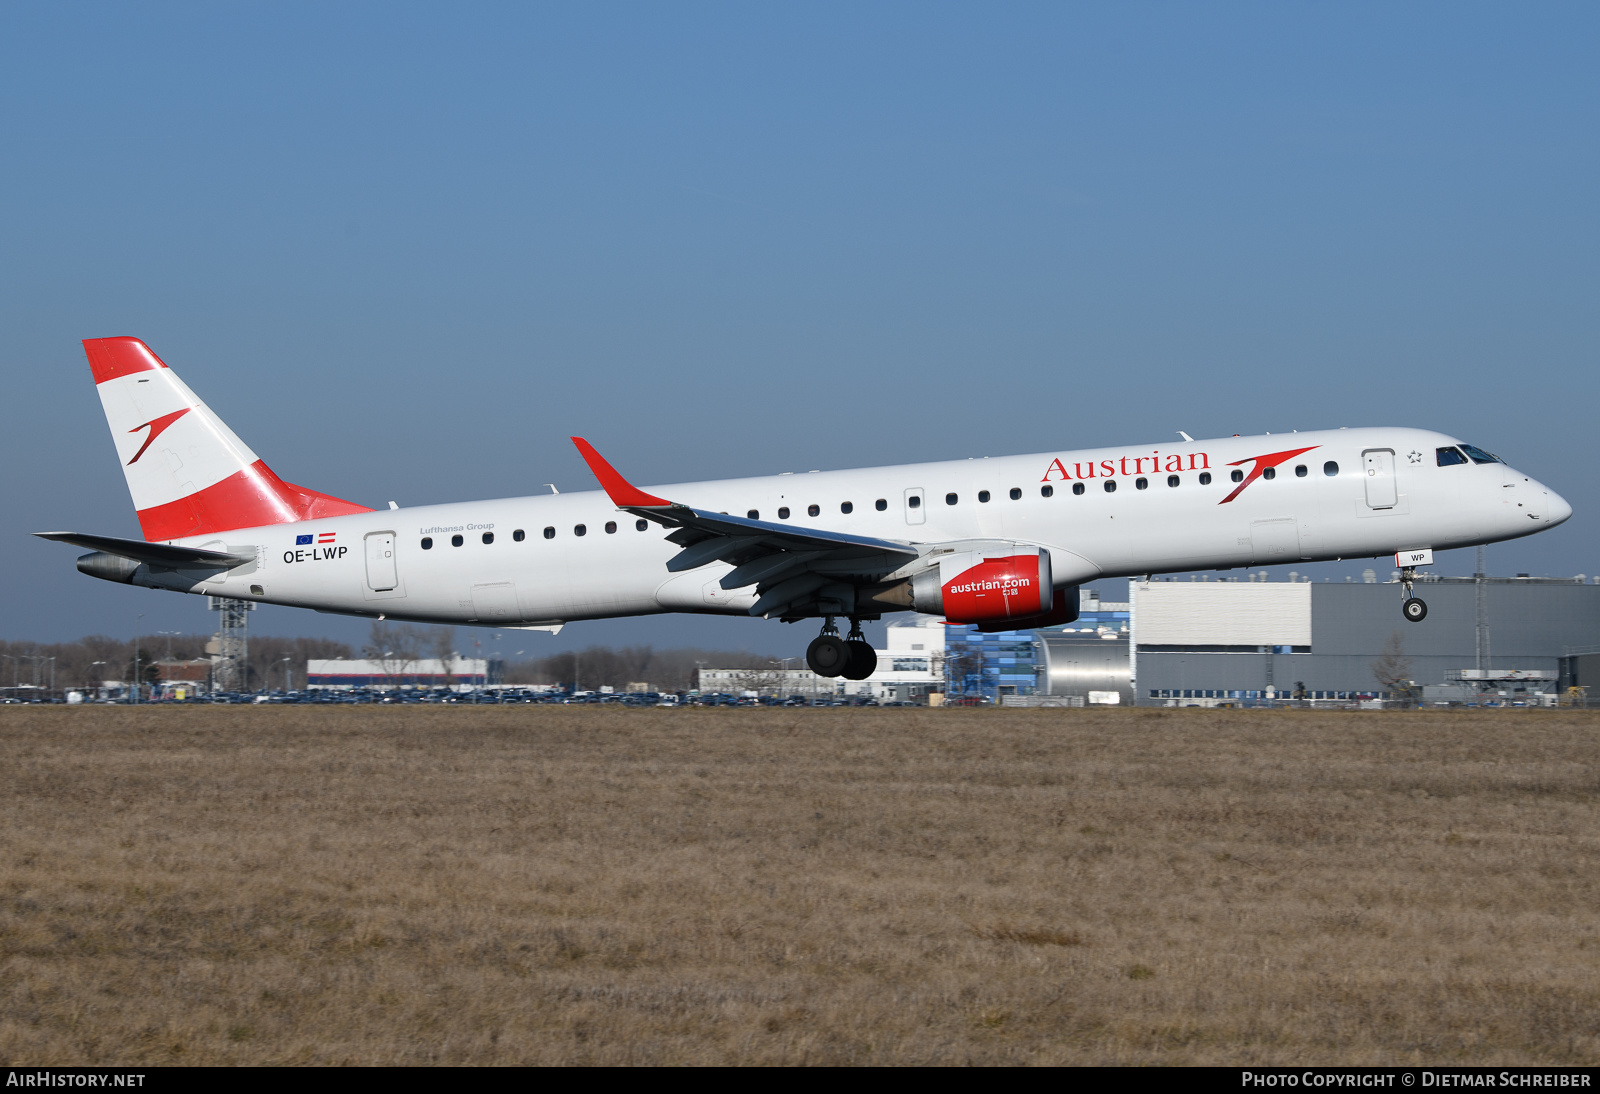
(1411, 607)
(852, 657)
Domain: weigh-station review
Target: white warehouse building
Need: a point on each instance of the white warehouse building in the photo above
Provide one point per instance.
(910, 666)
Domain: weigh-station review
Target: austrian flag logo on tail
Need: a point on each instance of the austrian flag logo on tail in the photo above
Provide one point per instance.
(156, 426)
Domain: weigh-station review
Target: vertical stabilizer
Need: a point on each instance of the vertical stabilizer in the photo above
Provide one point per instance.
(188, 473)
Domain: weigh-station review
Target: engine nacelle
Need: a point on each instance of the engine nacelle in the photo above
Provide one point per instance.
(1010, 582)
(108, 567)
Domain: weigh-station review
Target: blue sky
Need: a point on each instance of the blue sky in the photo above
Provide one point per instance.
(407, 250)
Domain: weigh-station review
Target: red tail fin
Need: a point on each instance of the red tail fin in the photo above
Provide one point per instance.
(189, 474)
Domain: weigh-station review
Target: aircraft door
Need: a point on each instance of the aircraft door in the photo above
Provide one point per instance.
(381, 573)
(1379, 466)
(916, 506)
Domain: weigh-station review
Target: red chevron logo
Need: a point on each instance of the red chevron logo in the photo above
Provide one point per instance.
(156, 426)
(1272, 459)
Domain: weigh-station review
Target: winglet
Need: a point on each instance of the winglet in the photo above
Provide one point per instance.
(622, 492)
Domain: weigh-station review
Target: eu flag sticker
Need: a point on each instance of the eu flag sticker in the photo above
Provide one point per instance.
(300, 541)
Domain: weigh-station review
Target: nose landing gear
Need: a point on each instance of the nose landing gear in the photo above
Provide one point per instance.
(852, 657)
(1414, 609)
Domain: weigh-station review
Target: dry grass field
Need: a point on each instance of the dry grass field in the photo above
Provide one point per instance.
(568, 885)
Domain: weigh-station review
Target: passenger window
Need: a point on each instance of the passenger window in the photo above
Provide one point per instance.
(783, 513)
(1173, 480)
(881, 504)
(1205, 478)
(847, 507)
(1479, 455)
(579, 530)
(519, 535)
(456, 541)
(488, 537)
(951, 499)
(1299, 470)
(1269, 473)
(549, 533)
(1330, 469)
(1449, 457)
(1111, 486)
(1141, 483)
(1077, 488)
(611, 527)
(1016, 494)
(914, 501)
(1047, 491)
(754, 514)
(641, 524)
(427, 543)
(1237, 476)
(813, 510)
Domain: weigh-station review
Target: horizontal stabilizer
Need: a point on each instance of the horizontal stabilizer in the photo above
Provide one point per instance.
(154, 554)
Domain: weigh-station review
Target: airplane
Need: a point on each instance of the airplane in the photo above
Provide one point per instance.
(999, 543)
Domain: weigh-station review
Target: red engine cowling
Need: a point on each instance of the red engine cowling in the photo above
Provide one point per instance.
(984, 588)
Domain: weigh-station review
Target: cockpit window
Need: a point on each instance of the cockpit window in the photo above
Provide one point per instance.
(1449, 457)
(1479, 455)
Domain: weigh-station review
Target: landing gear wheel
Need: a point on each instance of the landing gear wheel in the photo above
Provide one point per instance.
(1414, 610)
(863, 660)
(828, 655)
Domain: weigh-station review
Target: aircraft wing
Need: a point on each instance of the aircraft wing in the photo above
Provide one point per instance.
(790, 566)
(153, 554)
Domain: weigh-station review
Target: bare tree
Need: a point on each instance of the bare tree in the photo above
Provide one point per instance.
(963, 669)
(760, 680)
(97, 657)
(1392, 669)
(267, 654)
(444, 648)
(669, 670)
(396, 649)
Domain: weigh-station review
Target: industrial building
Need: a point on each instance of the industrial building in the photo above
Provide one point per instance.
(1007, 664)
(1205, 642)
(1085, 669)
(1485, 638)
(459, 673)
(910, 667)
(924, 655)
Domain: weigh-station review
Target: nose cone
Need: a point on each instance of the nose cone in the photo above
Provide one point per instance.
(1556, 508)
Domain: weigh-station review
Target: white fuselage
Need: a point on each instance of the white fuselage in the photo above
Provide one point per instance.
(1386, 493)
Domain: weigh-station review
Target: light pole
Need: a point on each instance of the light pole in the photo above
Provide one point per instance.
(169, 635)
(783, 668)
(285, 663)
(36, 658)
(92, 683)
(133, 691)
